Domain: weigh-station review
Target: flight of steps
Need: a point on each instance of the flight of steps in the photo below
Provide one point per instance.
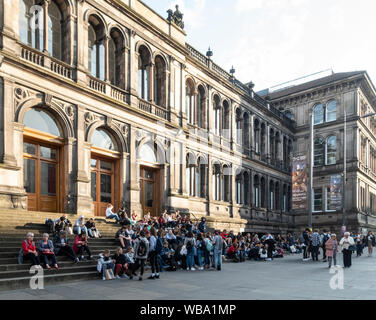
(13, 228)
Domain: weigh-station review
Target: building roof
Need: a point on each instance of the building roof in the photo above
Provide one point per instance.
(311, 84)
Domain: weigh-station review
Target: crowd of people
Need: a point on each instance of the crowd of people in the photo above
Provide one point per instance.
(173, 241)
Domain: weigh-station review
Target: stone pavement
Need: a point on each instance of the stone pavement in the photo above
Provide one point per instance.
(287, 278)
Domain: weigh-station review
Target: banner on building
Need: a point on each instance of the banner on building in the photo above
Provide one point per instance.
(299, 182)
(335, 192)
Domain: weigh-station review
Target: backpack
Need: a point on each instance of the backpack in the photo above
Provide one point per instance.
(159, 245)
(209, 245)
(141, 249)
(50, 225)
(189, 246)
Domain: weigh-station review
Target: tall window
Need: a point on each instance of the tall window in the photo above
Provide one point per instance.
(190, 175)
(331, 150)
(226, 120)
(271, 192)
(216, 116)
(143, 73)
(239, 135)
(216, 178)
(246, 188)
(256, 187)
(319, 152)
(317, 199)
(116, 58)
(201, 107)
(226, 183)
(160, 82)
(318, 113)
(263, 193)
(239, 189)
(256, 133)
(284, 204)
(96, 48)
(201, 178)
(246, 130)
(189, 101)
(54, 31)
(28, 35)
(331, 111)
(329, 206)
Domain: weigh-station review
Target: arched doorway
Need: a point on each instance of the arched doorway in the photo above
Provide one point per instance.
(104, 164)
(150, 178)
(42, 161)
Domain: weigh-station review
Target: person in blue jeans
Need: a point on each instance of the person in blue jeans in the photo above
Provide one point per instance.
(207, 244)
(110, 214)
(104, 263)
(190, 243)
(200, 245)
(218, 248)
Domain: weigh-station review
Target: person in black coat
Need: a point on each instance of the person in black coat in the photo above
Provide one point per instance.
(202, 225)
(62, 246)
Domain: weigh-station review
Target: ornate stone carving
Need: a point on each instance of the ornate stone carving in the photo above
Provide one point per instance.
(48, 99)
(176, 17)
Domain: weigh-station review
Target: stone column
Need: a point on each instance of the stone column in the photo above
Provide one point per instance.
(151, 82)
(10, 24)
(82, 45)
(45, 26)
(134, 169)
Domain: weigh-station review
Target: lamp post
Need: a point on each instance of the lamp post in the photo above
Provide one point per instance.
(311, 154)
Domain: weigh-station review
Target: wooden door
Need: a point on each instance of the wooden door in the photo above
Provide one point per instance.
(149, 190)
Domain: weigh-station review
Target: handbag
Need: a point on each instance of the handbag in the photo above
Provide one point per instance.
(292, 248)
(110, 274)
(183, 250)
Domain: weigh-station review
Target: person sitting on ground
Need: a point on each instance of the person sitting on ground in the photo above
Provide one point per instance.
(29, 250)
(105, 263)
(123, 216)
(110, 214)
(231, 253)
(123, 237)
(121, 266)
(129, 258)
(92, 229)
(168, 258)
(80, 245)
(62, 246)
(79, 226)
(46, 251)
(134, 218)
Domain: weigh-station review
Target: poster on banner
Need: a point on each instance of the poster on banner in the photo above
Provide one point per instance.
(299, 182)
(335, 192)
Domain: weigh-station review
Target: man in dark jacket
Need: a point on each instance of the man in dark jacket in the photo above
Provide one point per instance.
(202, 225)
(62, 246)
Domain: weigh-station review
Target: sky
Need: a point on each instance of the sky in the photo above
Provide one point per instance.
(273, 41)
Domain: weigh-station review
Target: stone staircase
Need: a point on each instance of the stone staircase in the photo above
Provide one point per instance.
(13, 228)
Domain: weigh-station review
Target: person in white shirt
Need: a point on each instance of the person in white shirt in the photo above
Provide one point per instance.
(110, 214)
(345, 243)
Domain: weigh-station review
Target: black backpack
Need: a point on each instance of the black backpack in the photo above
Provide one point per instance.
(189, 246)
(141, 252)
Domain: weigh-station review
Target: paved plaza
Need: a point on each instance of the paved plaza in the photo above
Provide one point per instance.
(287, 278)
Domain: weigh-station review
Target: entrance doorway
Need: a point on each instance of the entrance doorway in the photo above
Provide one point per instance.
(149, 195)
(41, 176)
(102, 184)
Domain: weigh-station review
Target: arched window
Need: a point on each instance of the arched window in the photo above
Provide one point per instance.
(41, 120)
(319, 152)
(277, 195)
(55, 40)
(201, 178)
(238, 122)
(272, 194)
(284, 204)
(246, 188)
(256, 193)
(160, 82)
(331, 150)
(239, 188)
(216, 116)
(263, 140)
(144, 73)
(331, 111)
(318, 114)
(30, 25)
(256, 134)
(263, 193)
(189, 101)
(246, 130)
(216, 179)
(201, 107)
(226, 120)
(277, 142)
(102, 139)
(116, 58)
(272, 145)
(190, 174)
(148, 153)
(96, 48)
(226, 183)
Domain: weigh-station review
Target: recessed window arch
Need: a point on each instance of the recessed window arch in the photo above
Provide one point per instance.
(239, 188)
(226, 183)
(190, 173)
(55, 31)
(246, 130)
(116, 56)
(41, 120)
(331, 150)
(189, 101)
(226, 120)
(160, 81)
(216, 179)
(217, 115)
(28, 35)
(239, 126)
(144, 62)
(201, 107)
(96, 47)
(148, 152)
(256, 134)
(101, 138)
(271, 195)
(201, 177)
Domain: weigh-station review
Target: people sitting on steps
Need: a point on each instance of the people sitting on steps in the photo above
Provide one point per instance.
(81, 245)
(110, 214)
(62, 247)
(46, 252)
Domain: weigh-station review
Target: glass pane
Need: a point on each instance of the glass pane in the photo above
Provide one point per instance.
(29, 175)
(148, 174)
(40, 120)
(54, 30)
(331, 111)
(102, 139)
(319, 114)
(48, 178)
(30, 148)
(106, 188)
(93, 163)
(106, 165)
(317, 200)
(94, 186)
(47, 153)
(149, 194)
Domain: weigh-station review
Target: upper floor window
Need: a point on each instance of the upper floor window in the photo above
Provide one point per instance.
(217, 116)
(201, 107)
(318, 113)
(226, 120)
(160, 82)
(144, 73)
(96, 48)
(319, 152)
(331, 150)
(116, 54)
(325, 113)
(55, 31)
(189, 101)
(331, 111)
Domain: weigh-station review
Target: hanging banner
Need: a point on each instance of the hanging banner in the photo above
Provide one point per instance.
(335, 192)
(299, 182)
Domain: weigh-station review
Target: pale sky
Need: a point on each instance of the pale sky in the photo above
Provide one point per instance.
(273, 41)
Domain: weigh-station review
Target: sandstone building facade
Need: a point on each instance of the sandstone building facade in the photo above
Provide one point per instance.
(103, 101)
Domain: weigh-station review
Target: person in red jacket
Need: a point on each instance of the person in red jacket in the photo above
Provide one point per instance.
(224, 234)
(80, 245)
(29, 250)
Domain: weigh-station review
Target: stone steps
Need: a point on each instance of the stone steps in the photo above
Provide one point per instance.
(62, 264)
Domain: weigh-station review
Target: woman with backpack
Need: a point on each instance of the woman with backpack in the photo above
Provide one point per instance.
(208, 248)
(190, 244)
(153, 255)
(141, 253)
(200, 244)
